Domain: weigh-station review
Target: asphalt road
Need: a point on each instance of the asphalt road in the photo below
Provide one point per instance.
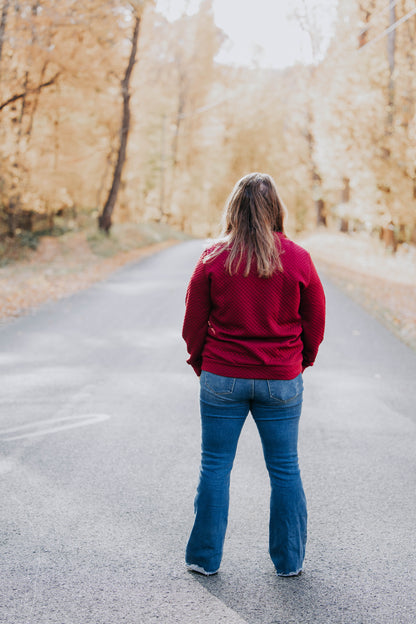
(99, 455)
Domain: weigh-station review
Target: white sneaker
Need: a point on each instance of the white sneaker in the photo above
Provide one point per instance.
(298, 573)
(192, 567)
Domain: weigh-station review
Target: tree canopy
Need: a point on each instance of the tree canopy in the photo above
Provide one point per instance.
(339, 135)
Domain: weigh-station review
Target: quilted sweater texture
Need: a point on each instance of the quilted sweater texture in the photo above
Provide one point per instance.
(254, 327)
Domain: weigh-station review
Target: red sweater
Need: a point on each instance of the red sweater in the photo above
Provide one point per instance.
(254, 327)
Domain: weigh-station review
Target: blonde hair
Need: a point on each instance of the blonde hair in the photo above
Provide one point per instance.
(253, 213)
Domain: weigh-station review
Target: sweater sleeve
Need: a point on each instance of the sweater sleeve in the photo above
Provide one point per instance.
(312, 312)
(197, 311)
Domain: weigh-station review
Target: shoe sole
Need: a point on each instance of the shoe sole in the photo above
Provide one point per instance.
(196, 568)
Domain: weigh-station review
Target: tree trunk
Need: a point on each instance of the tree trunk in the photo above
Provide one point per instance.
(345, 198)
(108, 165)
(104, 220)
(162, 169)
(346, 191)
(320, 212)
(182, 99)
(389, 235)
(391, 50)
(36, 100)
(3, 22)
(315, 177)
(175, 142)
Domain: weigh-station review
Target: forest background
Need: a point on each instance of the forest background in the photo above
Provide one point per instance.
(112, 114)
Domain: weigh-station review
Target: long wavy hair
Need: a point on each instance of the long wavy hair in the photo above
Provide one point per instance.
(252, 215)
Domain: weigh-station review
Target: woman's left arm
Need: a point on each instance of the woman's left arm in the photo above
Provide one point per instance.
(197, 311)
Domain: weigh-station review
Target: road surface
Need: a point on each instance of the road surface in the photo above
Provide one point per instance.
(99, 455)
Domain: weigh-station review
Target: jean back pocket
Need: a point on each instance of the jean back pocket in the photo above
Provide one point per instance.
(285, 390)
(217, 383)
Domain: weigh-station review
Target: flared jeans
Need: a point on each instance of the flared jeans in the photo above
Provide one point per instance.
(275, 406)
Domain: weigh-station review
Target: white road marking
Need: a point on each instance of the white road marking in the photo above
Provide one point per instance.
(52, 425)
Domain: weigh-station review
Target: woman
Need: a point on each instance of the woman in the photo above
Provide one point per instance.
(254, 320)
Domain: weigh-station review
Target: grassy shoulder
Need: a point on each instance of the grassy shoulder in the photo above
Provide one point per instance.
(54, 266)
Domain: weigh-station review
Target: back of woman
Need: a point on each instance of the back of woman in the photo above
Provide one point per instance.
(258, 327)
(254, 320)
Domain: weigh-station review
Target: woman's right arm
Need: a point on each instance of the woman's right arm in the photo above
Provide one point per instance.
(197, 311)
(312, 311)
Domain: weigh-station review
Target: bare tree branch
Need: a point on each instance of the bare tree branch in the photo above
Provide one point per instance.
(19, 96)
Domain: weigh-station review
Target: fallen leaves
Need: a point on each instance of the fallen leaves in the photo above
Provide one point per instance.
(57, 269)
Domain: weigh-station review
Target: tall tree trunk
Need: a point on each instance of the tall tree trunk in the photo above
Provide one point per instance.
(104, 220)
(389, 233)
(14, 194)
(308, 23)
(180, 115)
(391, 50)
(162, 169)
(108, 165)
(178, 122)
(319, 203)
(36, 100)
(3, 22)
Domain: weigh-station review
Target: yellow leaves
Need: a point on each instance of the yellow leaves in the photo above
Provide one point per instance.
(352, 111)
(197, 126)
(60, 137)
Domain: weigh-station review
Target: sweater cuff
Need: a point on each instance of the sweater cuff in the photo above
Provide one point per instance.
(196, 366)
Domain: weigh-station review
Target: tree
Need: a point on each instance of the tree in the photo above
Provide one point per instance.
(309, 20)
(363, 126)
(104, 219)
(177, 84)
(58, 101)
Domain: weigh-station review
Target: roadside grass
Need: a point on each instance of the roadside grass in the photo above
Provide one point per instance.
(126, 237)
(56, 265)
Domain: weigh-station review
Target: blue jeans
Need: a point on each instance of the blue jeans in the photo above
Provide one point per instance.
(275, 406)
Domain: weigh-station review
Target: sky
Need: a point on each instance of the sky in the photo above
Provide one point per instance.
(262, 32)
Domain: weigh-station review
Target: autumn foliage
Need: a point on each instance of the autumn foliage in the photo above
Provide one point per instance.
(339, 136)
